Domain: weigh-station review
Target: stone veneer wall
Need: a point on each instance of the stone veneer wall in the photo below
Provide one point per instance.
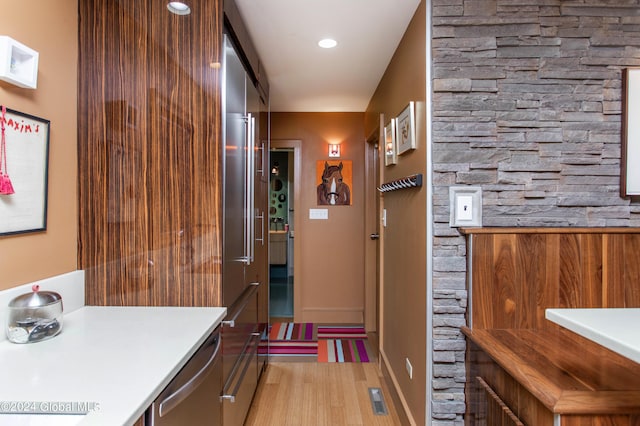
(526, 104)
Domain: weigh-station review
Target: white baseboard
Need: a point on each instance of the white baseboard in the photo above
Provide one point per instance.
(333, 315)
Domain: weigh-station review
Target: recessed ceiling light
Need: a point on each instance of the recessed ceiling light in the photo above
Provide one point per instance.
(327, 43)
(178, 8)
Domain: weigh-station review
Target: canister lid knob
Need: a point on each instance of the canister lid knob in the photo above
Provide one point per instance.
(35, 299)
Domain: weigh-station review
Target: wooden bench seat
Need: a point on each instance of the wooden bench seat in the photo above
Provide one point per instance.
(565, 372)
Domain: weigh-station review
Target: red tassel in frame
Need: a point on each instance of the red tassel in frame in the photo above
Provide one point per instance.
(6, 187)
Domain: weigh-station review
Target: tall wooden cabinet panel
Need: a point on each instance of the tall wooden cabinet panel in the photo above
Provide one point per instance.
(149, 153)
(158, 211)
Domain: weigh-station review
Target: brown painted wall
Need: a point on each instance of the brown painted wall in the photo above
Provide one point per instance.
(403, 312)
(49, 27)
(330, 277)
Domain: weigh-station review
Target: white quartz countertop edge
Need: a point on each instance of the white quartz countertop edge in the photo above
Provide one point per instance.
(118, 357)
(616, 329)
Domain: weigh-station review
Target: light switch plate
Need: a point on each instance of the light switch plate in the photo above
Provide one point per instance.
(464, 207)
(465, 204)
(322, 214)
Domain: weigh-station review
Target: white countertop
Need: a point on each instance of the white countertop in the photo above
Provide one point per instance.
(118, 357)
(615, 329)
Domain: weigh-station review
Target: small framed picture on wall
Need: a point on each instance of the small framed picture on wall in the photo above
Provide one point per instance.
(406, 129)
(24, 165)
(630, 147)
(390, 153)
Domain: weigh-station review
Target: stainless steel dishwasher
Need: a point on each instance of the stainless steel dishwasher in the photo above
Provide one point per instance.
(240, 339)
(193, 396)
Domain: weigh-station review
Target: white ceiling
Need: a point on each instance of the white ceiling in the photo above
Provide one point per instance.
(304, 77)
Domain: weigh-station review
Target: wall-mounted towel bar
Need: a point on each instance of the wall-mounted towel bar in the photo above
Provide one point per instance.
(402, 183)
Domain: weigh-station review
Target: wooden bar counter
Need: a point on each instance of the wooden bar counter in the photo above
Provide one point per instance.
(522, 369)
(540, 375)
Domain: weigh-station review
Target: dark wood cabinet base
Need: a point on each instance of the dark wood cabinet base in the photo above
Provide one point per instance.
(578, 382)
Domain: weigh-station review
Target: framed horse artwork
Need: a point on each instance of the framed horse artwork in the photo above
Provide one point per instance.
(334, 179)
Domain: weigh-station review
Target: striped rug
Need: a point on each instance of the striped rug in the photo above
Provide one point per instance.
(324, 343)
(289, 348)
(338, 350)
(341, 332)
(291, 331)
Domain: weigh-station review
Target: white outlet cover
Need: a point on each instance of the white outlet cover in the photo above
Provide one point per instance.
(465, 206)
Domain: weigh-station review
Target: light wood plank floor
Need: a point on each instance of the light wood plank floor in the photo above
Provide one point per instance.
(316, 394)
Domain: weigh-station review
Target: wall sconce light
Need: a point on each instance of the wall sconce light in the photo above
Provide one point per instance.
(334, 151)
(275, 170)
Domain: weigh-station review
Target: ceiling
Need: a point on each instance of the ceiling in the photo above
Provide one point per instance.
(304, 77)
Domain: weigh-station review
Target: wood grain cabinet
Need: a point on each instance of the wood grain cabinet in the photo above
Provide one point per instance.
(151, 152)
(152, 161)
(278, 247)
(523, 369)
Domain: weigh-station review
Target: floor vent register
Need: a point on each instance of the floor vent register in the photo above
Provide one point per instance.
(377, 402)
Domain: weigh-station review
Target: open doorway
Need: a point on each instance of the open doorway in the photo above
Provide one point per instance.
(284, 176)
(281, 212)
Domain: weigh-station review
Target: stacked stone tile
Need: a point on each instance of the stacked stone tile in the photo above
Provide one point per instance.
(526, 104)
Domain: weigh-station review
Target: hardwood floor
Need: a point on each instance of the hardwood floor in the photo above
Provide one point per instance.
(316, 394)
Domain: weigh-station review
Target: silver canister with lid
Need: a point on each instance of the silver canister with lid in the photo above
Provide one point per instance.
(35, 316)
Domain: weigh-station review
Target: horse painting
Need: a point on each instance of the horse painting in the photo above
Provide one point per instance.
(333, 190)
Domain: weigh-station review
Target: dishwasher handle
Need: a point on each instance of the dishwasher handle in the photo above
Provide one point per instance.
(173, 400)
(232, 396)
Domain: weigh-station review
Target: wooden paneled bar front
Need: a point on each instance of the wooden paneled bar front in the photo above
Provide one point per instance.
(544, 374)
(517, 273)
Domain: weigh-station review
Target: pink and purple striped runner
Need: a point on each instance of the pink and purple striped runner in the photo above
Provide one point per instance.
(291, 331)
(328, 343)
(341, 332)
(289, 348)
(348, 350)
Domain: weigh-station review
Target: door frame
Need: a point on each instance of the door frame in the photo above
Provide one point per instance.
(372, 253)
(296, 145)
